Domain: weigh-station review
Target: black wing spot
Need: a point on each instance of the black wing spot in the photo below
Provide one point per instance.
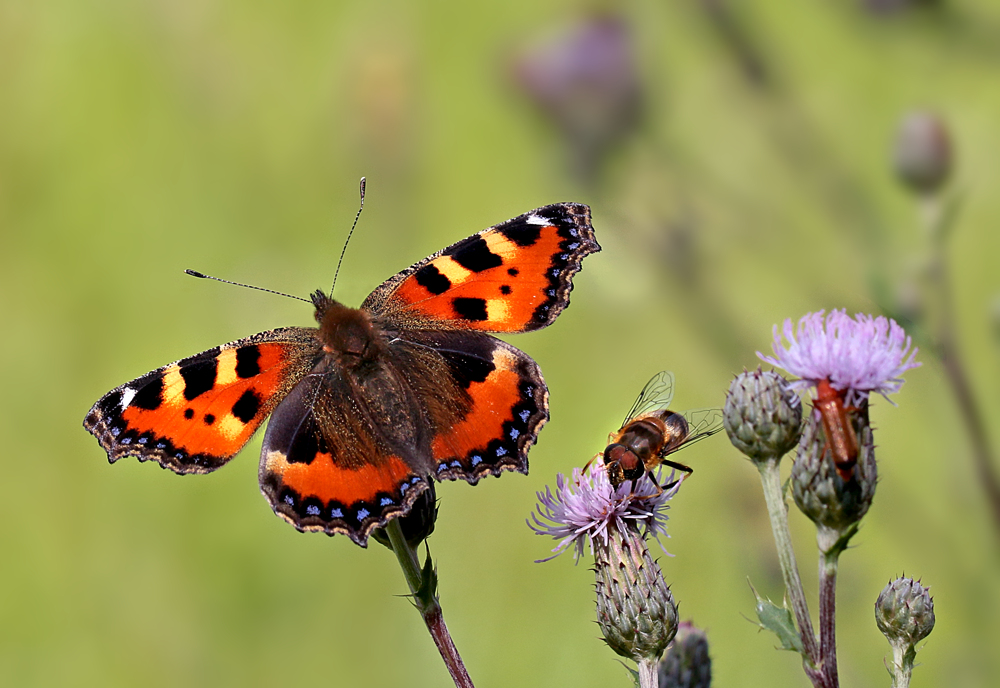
(150, 396)
(189, 413)
(199, 377)
(505, 289)
(522, 234)
(246, 406)
(431, 279)
(470, 308)
(513, 272)
(209, 419)
(466, 368)
(248, 361)
(474, 254)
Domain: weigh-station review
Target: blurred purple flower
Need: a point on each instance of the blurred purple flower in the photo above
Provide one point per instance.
(586, 507)
(856, 355)
(587, 83)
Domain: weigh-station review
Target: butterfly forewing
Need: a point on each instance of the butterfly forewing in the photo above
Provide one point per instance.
(513, 277)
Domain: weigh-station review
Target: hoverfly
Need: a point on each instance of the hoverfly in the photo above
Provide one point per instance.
(651, 432)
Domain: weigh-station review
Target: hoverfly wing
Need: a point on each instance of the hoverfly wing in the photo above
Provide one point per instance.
(657, 394)
(702, 423)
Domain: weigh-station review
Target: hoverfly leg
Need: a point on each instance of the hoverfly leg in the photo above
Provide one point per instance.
(687, 470)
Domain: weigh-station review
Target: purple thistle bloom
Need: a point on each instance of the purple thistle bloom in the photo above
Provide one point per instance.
(862, 354)
(586, 507)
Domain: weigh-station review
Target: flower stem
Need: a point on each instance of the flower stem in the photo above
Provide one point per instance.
(648, 674)
(770, 479)
(936, 221)
(423, 586)
(902, 665)
(828, 558)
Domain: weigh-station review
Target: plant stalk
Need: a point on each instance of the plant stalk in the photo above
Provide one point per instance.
(648, 674)
(828, 615)
(426, 601)
(937, 221)
(777, 509)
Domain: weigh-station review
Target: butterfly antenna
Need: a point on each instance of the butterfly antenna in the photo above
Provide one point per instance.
(349, 234)
(195, 273)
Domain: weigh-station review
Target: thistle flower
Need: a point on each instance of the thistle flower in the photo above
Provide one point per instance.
(587, 507)
(923, 155)
(585, 81)
(687, 663)
(833, 504)
(635, 609)
(856, 355)
(762, 415)
(904, 612)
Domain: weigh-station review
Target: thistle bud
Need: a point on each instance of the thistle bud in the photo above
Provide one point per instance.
(417, 523)
(923, 153)
(762, 415)
(819, 491)
(635, 609)
(904, 612)
(687, 664)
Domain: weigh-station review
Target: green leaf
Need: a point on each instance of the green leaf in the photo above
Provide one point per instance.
(779, 621)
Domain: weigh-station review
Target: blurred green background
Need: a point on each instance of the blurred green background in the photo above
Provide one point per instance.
(745, 178)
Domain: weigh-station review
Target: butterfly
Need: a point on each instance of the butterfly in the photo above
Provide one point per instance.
(376, 402)
(651, 432)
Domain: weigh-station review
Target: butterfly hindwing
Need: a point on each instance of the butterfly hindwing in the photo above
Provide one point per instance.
(193, 415)
(504, 405)
(513, 277)
(330, 464)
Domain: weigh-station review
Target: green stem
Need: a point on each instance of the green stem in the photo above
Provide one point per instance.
(902, 665)
(828, 559)
(770, 479)
(423, 589)
(648, 674)
(937, 221)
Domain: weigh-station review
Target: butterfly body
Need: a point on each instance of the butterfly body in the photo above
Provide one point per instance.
(840, 436)
(370, 406)
(651, 432)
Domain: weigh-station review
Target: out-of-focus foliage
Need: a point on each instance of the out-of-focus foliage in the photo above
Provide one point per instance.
(755, 183)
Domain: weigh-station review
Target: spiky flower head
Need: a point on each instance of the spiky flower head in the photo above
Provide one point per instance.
(687, 664)
(586, 507)
(762, 415)
(821, 493)
(861, 355)
(635, 609)
(904, 611)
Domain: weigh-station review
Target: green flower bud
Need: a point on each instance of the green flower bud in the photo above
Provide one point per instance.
(923, 155)
(762, 415)
(820, 492)
(635, 609)
(687, 664)
(904, 612)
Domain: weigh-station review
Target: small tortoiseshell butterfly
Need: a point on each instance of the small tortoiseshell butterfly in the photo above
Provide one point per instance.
(376, 402)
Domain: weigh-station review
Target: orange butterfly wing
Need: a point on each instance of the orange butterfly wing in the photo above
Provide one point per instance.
(513, 277)
(194, 415)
